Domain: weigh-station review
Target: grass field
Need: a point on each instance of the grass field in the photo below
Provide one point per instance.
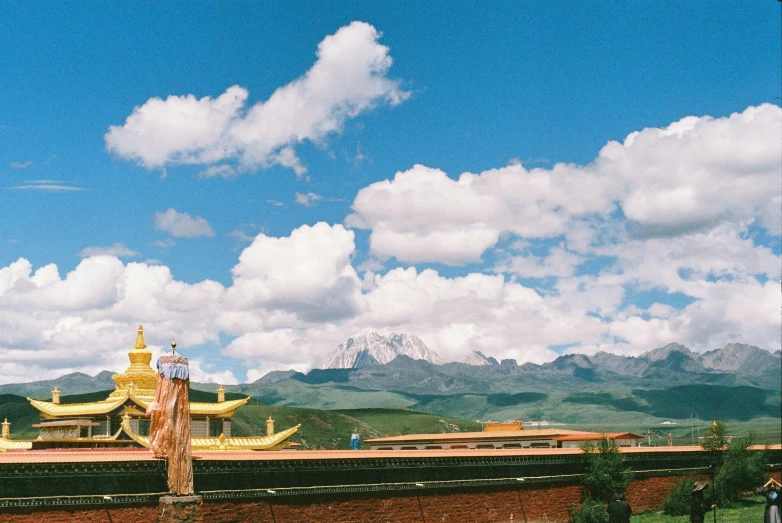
(749, 512)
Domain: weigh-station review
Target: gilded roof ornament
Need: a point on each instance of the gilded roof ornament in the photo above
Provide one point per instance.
(140, 343)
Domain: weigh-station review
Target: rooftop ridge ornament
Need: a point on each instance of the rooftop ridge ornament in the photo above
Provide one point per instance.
(138, 372)
(140, 343)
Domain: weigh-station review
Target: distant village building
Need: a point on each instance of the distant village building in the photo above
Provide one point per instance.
(121, 418)
(620, 439)
(501, 436)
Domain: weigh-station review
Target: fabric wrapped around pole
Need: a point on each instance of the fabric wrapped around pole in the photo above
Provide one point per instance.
(169, 431)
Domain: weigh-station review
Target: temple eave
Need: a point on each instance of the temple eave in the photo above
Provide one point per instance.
(274, 442)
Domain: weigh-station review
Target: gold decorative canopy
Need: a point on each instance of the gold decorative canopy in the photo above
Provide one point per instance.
(139, 376)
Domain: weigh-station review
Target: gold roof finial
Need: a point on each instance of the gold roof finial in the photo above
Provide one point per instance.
(140, 343)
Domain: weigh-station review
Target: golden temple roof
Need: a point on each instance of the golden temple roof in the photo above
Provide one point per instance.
(9, 444)
(273, 442)
(57, 410)
(137, 383)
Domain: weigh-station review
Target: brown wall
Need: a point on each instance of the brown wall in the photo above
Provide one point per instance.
(542, 502)
(479, 505)
(93, 515)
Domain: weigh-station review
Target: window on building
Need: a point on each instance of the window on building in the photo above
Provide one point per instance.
(116, 423)
(143, 427)
(215, 429)
(84, 431)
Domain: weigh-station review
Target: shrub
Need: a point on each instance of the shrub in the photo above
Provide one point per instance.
(591, 511)
(677, 502)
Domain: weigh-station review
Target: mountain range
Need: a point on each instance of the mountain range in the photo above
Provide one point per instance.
(405, 364)
(371, 348)
(737, 382)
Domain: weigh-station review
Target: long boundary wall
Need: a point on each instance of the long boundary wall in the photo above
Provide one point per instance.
(430, 486)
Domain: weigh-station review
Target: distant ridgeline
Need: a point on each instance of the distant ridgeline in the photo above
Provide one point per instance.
(737, 382)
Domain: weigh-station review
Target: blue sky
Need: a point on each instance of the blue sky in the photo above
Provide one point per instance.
(556, 239)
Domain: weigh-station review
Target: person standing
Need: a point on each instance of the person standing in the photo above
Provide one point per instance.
(619, 510)
(773, 500)
(697, 509)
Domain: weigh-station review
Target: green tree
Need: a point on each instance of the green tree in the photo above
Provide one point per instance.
(605, 474)
(718, 438)
(606, 471)
(742, 470)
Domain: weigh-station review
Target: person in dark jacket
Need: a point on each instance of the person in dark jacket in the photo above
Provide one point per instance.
(697, 510)
(773, 501)
(618, 510)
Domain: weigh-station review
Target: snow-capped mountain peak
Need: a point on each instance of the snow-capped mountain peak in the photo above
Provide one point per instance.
(478, 358)
(371, 348)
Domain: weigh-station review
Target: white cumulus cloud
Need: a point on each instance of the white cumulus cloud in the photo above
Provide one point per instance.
(348, 78)
(120, 250)
(308, 199)
(182, 225)
(693, 175)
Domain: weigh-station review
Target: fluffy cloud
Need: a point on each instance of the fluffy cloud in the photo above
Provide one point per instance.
(118, 249)
(282, 349)
(693, 175)
(348, 78)
(182, 225)
(559, 262)
(294, 298)
(700, 172)
(706, 273)
(422, 215)
(308, 272)
(307, 200)
(86, 320)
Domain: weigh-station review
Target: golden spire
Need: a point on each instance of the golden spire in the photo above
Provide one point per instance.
(270, 426)
(140, 343)
(139, 373)
(56, 396)
(220, 394)
(6, 434)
